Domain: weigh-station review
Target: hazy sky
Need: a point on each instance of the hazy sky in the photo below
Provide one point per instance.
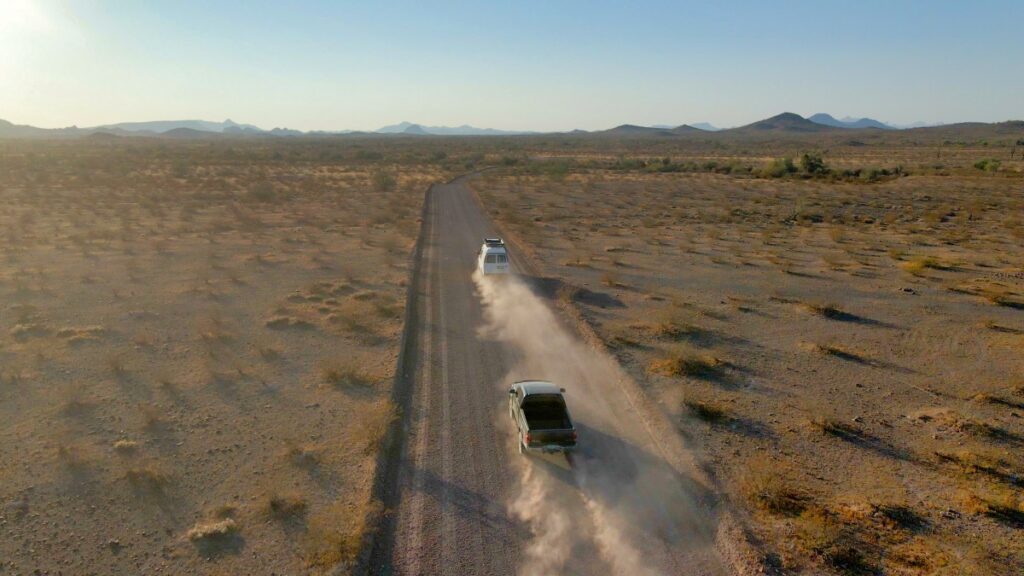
(531, 65)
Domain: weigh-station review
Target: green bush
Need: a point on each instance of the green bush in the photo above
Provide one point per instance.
(988, 165)
(813, 164)
(779, 167)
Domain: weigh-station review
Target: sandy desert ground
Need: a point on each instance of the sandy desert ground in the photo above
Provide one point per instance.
(198, 339)
(196, 350)
(844, 355)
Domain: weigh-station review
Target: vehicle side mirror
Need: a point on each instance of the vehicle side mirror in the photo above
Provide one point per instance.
(511, 390)
(563, 390)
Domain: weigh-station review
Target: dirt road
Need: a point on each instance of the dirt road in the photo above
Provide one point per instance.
(464, 500)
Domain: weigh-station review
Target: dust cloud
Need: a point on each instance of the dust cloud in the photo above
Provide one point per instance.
(617, 498)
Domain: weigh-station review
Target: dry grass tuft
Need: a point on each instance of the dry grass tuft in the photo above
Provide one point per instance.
(212, 530)
(1005, 301)
(766, 487)
(987, 462)
(146, 478)
(126, 446)
(284, 507)
(670, 326)
(1005, 506)
(348, 375)
(335, 535)
(374, 425)
(707, 412)
(918, 266)
(684, 362)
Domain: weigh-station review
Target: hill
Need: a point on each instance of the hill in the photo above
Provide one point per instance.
(785, 122)
(188, 133)
(828, 120)
(12, 130)
(634, 130)
(686, 129)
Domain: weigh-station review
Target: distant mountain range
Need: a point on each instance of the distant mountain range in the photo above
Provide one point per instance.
(783, 124)
(464, 130)
(162, 126)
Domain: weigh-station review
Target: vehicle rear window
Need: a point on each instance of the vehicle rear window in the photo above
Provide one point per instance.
(545, 411)
(502, 259)
(491, 259)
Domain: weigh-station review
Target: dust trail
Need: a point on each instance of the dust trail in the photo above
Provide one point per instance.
(551, 546)
(616, 484)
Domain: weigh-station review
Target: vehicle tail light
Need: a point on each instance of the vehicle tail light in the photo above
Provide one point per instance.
(573, 436)
(528, 439)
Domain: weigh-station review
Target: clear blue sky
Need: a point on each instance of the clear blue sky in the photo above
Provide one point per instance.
(532, 65)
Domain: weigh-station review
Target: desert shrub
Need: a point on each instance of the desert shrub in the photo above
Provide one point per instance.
(383, 182)
(778, 168)
(813, 164)
(988, 164)
(262, 191)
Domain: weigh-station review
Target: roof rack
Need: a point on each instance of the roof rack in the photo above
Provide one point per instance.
(494, 241)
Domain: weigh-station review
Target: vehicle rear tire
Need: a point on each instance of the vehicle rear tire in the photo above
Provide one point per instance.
(522, 449)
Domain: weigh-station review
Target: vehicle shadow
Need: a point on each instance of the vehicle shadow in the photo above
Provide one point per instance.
(554, 288)
(486, 512)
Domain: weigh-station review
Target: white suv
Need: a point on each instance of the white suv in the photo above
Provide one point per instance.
(493, 257)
